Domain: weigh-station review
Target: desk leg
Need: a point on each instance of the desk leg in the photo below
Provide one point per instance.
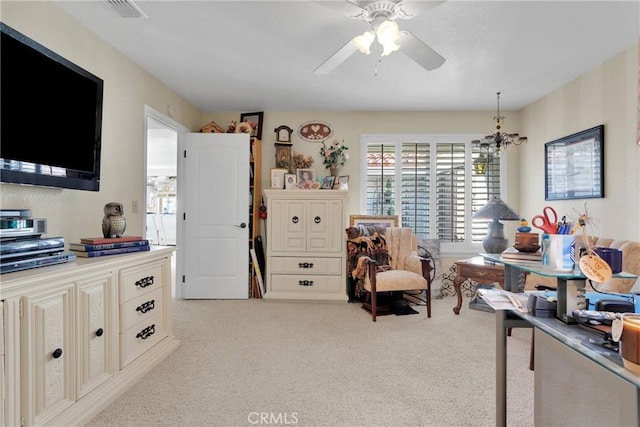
(456, 285)
(561, 295)
(501, 369)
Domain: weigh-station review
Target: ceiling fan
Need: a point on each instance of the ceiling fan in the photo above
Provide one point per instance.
(382, 15)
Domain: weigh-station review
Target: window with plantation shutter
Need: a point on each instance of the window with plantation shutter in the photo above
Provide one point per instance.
(432, 182)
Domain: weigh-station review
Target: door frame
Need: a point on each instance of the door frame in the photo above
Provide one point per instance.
(149, 112)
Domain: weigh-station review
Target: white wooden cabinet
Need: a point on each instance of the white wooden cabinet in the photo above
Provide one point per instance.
(61, 330)
(97, 331)
(306, 251)
(48, 353)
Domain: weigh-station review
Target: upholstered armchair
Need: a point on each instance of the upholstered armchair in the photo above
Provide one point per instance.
(386, 260)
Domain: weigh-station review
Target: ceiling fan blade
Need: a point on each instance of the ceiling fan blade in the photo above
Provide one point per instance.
(345, 7)
(417, 50)
(336, 59)
(409, 9)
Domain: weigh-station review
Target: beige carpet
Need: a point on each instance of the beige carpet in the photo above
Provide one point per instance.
(313, 364)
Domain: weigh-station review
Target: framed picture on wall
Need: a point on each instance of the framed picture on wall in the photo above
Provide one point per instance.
(574, 166)
(283, 156)
(256, 118)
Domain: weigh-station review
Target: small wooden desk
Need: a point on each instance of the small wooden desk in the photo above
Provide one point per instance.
(479, 270)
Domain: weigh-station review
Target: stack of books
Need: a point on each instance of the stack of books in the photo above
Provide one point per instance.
(516, 255)
(90, 247)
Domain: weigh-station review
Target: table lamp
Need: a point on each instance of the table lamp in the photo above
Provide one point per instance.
(495, 210)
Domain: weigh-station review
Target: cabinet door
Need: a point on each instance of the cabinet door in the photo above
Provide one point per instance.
(96, 332)
(288, 225)
(48, 353)
(324, 226)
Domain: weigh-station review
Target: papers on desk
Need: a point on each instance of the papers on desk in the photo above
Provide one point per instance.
(499, 299)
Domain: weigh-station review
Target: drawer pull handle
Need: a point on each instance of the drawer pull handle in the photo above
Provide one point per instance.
(317, 220)
(57, 353)
(305, 282)
(295, 219)
(147, 306)
(305, 265)
(147, 332)
(145, 281)
(99, 332)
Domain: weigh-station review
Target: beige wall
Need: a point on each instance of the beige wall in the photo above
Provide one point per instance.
(127, 88)
(348, 126)
(606, 95)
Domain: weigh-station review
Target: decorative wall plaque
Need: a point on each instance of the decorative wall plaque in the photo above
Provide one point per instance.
(315, 131)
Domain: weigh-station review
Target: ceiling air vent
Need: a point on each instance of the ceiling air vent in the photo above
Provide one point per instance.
(125, 8)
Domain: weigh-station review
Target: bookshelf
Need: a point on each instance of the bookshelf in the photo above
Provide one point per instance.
(255, 197)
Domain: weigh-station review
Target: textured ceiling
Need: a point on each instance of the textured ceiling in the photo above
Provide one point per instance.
(260, 55)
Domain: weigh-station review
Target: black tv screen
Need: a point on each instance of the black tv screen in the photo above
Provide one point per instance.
(51, 117)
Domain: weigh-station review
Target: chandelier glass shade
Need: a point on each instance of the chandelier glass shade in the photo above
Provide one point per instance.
(499, 140)
(387, 33)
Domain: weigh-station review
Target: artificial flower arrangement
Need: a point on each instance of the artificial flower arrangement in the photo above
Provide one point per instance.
(301, 161)
(334, 155)
(242, 127)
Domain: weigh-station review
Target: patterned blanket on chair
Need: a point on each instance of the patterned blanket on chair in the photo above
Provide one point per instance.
(365, 241)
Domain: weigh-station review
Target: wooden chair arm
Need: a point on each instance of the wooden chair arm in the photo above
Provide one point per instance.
(426, 268)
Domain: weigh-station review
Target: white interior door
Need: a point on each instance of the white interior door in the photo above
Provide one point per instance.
(215, 248)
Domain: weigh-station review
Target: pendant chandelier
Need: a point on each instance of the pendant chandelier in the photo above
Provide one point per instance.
(500, 140)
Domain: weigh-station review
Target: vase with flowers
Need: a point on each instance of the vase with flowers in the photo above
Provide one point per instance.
(334, 155)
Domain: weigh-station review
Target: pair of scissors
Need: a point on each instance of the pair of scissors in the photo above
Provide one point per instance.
(547, 222)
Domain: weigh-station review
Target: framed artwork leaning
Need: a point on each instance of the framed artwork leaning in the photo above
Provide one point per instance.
(289, 181)
(342, 183)
(327, 182)
(306, 179)
(277, 177)
(256, 118)
(385, 220)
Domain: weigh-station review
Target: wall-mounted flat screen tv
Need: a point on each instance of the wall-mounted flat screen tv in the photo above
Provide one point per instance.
(50, 117)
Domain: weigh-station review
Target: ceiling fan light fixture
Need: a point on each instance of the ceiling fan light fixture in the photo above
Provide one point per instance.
(363, 42)
(387, 33)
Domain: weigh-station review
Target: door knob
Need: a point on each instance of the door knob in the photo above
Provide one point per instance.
(242, 225)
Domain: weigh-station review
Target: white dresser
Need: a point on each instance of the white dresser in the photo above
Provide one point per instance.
(305, 243)
(75, 336)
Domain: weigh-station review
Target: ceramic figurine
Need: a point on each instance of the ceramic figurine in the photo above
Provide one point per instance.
(524, 226)
(113, 223)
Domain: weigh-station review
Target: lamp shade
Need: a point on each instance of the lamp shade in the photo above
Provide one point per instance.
(495, 208)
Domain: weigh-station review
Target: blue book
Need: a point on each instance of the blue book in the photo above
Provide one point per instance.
(85, 247)
(116, 251)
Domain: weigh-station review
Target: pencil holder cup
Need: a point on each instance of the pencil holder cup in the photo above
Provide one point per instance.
(558, 252)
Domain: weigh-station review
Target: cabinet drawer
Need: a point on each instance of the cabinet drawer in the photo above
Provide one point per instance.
(136, 281)
(140, 338)
(302, 265)
(140, 308)
(306, 283)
